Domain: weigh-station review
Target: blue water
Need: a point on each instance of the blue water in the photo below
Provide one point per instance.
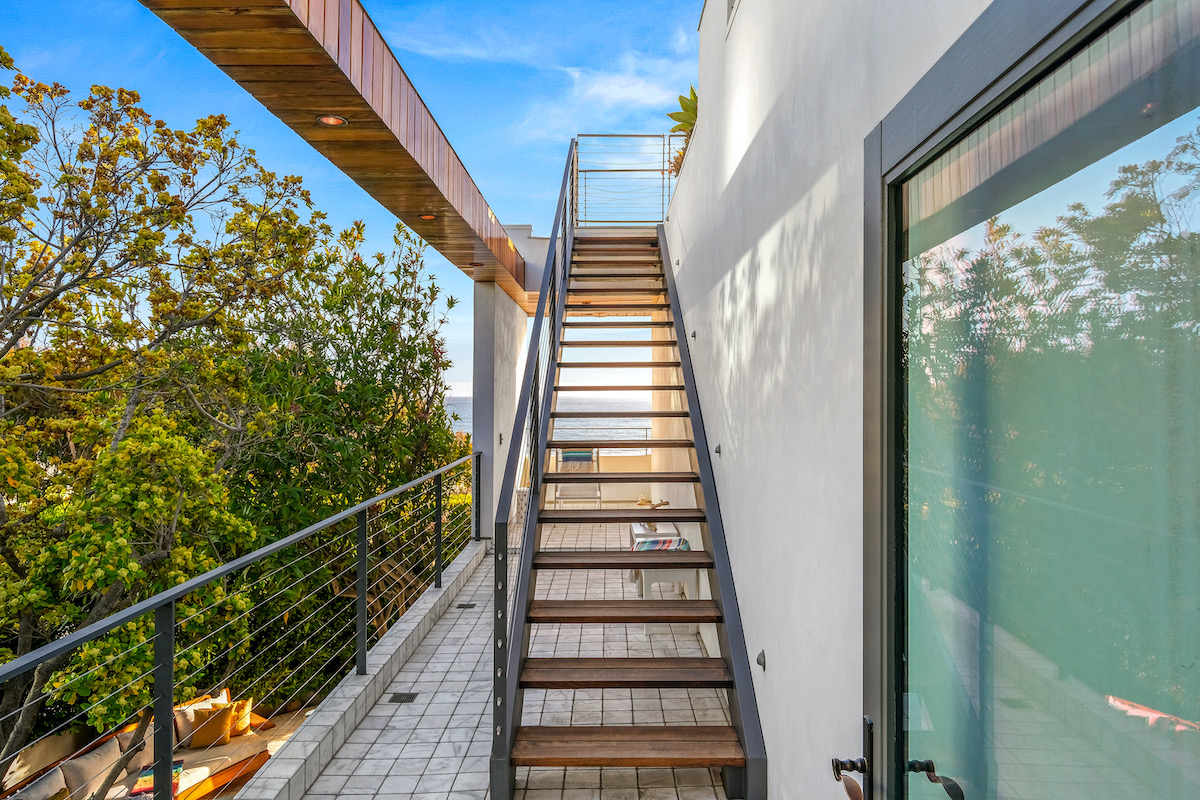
(460, 406)
(631, 428)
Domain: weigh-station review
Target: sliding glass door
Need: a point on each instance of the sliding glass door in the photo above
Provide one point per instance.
(1050, 459)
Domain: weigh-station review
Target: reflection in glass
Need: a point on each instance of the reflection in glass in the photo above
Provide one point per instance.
(1052, 511)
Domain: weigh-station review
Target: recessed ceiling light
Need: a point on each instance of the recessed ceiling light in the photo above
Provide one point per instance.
(332, 121)
(429, 216)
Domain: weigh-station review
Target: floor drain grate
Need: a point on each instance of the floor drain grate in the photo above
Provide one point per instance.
(403, 697)
(466, 605)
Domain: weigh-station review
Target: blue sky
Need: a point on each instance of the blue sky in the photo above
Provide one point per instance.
(510, 83)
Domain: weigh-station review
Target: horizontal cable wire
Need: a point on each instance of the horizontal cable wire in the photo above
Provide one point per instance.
(78, 678)
(84, 712)
(260, 579)
(265, 600)
(281, 660)
(275, 619)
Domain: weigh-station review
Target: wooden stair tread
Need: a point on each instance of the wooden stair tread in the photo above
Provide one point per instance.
(648, 239)
(637, 276)
(630, 290)
(620, 343)
(616, 255)
(619, 673)
(630, 611)
(591, 253)
(621, 477)
(622, 559)
(608, 263)
(621, 514)
(616, 414)
(612, 746)
(584, 270)
(616, 251)
(620, 324)
(609, 274)
(616, 364)
(609, 444)
(617, 306)
(673, 387)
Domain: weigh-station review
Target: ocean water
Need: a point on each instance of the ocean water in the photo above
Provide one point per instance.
(462, 407)
(622, 428)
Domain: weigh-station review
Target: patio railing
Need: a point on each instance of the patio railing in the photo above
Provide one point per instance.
(271, 631)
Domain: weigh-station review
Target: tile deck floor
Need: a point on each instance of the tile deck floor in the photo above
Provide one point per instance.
(437, 747)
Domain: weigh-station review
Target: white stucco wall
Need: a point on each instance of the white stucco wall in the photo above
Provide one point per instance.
(499, 342)
(767, 225)
(533, 249)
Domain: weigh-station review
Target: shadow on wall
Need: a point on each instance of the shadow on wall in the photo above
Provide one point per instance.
(788, 312)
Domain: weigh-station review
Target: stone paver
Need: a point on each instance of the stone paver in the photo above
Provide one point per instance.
(437, 747)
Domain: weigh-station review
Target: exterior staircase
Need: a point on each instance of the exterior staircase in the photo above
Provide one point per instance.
(615, 294)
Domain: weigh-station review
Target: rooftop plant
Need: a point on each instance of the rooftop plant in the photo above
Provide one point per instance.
(685, 123)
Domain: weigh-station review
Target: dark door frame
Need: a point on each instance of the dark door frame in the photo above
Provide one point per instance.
(1006, 49)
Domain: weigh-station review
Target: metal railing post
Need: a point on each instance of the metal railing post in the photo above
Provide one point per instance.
(475, 508)
(164, 699)
(437, 532)
(360, 604)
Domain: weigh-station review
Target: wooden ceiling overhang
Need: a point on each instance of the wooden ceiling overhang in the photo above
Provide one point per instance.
(308, 58)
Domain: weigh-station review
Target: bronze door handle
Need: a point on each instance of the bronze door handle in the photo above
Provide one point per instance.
(949, 784)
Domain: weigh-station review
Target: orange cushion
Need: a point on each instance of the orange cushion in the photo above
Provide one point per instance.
(185, 718)
(241, 716)
(260, 723)
(213, 726)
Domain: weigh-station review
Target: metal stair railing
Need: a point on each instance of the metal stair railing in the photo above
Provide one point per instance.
(520, 493)
(751, 781)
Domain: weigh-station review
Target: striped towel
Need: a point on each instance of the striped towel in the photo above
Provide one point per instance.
(667, 543)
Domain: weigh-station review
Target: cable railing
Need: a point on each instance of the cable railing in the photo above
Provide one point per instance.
(624, 179)
(516, 512)
(235, 658)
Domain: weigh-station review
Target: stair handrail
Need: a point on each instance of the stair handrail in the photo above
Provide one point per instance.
(743, 707)
(529, 431)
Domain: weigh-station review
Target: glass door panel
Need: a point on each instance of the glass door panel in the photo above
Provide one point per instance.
(1051, 518)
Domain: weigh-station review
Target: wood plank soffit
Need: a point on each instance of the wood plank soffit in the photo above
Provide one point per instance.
(306, 58)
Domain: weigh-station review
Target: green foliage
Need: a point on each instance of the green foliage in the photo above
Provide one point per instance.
(16, 138)
(357, 365)
(685, 118)
(192, 364)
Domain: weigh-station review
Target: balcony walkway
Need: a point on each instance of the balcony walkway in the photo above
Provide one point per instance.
(436, 747)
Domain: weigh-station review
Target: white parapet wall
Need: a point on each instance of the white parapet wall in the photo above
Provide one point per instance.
(499, 360)
(292, 770)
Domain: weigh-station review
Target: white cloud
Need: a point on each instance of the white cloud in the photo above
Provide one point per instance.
(683, 43)
(435, 35)
(494, 48)
(635, 98)
(622, 90)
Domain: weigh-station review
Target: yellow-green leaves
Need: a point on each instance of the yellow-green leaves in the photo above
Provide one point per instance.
(686, 116)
